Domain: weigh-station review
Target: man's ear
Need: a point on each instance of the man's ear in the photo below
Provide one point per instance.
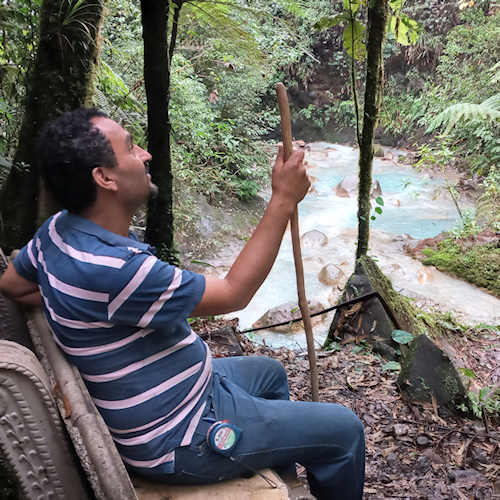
(104, 177)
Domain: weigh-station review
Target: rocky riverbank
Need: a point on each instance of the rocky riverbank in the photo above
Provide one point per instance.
(474, 258)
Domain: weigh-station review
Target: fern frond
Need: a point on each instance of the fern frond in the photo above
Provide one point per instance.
(488, 211)
(218, 17)
(496, 73)
(488, 110)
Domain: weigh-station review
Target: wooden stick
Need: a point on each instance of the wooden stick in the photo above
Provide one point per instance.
(286, 133)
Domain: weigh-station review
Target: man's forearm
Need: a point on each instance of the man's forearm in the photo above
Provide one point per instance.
(290, 184)
(33, 299)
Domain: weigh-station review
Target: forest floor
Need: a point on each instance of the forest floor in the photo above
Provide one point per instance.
(413, 450)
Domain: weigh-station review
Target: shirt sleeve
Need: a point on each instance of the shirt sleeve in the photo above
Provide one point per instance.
(152, 293)
(26, 263)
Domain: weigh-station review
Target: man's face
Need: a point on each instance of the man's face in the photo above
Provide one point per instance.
(133, 182)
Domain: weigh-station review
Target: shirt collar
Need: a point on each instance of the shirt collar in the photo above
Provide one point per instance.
(89, 227)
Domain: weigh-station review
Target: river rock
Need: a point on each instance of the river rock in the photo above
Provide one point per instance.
(287, 312)
(424, 275)
(427, 371)
(333, 296)
(429, 368)
(376, 189)
(348, 187)
(313, 239)
(331, 275)
(341, 192)
(349, 183)
(378, 151)
(318, 155)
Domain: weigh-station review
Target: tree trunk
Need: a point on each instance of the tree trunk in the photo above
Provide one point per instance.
(160, 221)
(377, 20)
(61, 80)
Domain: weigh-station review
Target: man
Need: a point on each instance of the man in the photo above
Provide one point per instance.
(120, 315)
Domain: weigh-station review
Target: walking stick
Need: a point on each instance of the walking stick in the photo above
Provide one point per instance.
(286, 133)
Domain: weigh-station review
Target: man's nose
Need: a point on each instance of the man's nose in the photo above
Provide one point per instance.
(143, 154)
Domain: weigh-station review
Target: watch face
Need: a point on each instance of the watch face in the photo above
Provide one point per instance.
(224, 438)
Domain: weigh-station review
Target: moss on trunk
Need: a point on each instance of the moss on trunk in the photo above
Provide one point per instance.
(368, 277)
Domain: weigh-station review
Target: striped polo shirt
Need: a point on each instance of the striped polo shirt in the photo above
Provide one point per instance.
(120, 315)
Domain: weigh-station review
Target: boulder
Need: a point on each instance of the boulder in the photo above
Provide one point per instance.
(366, 278)
(341, 192)
(429, 367)
(349, 183)
(331, 275)
(348, 187)
(223, 342)
(313, 239)
(378, 151)
(287, 312)
(427, 370)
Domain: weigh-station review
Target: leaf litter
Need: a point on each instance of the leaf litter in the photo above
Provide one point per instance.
(413, 450)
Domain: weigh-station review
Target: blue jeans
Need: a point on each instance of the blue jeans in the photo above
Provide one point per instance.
(252, 393)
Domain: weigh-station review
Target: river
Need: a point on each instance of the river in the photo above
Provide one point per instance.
(416, 205)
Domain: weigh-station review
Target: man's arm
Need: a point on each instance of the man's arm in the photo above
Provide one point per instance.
(17, 288)
(289, 186)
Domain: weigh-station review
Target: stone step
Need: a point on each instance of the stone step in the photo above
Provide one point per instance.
(254, 488)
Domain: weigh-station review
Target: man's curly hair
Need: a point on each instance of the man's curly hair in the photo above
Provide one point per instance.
(68, 149)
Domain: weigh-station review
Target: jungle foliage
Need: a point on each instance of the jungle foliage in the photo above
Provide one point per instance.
(460, 97)
(229, 56)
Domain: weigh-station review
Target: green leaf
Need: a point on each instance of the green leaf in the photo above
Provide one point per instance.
(396, 5)
(392, 366)
(379, 200)
(402, 337)
(372, 217)
(483, 393)
(334, 346)
(353, 40)
(378, 210)
(468, 373)
(351, 5)
(405, 29)
(329, 22)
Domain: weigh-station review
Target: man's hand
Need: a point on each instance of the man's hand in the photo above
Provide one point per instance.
(290, 184)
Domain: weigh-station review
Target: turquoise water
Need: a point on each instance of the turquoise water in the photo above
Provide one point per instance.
(415, 204)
